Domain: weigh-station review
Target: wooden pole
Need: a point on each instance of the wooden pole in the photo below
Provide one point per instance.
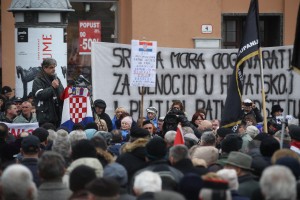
(264, 109)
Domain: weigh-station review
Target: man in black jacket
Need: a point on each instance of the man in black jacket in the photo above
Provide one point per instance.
(47, 90)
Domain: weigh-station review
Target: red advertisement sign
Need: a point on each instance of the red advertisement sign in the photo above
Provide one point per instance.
(89, 31)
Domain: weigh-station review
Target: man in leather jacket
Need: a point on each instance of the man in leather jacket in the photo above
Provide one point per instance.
(47, 90)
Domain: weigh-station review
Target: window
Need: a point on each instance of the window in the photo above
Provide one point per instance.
(91, 10)
(269, 26)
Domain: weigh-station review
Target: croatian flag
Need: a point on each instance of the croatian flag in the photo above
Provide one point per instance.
(77, 107)
(179, 139)
(145, 46)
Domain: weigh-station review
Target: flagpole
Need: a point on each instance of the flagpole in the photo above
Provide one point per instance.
(285, 109)
(264, 109)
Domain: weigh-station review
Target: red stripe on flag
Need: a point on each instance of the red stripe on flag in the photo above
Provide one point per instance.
(145, 43)
(179, 136)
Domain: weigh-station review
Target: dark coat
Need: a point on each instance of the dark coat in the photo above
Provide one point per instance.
(247, 185)
(31, 164)
(236, 196)
(47, 99)
(133, 156)
(170, 176)
(186, 166)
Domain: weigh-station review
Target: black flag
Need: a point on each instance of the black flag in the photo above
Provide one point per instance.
(296, 51)
(249, 48)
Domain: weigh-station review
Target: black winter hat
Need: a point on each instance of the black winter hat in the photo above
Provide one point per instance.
(100, 103)
(6, 89)
(268, 146)
(81, 176)
(232, 142)
(41, 133)
(156, 148)
(137, 132)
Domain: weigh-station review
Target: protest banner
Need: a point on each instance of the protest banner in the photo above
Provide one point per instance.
(197, 77)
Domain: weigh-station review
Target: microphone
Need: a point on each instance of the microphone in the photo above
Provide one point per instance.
(81, 77)
(55, 76)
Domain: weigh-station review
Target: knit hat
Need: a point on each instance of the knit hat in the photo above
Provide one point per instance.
(81, 176)
(268, 146)
(83, 149)
(127, 119)
(137, 132)
(6, 89)
(294, 132)
(30, 144)
(99, 103)
(291, 163)
(151, 110)
(41, 133)
(104, 187)
(156, 148)
(222, 132)
(117, 172)
(232, 142)
(190, 185)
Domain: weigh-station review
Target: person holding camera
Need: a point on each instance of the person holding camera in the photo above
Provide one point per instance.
(47, 90)
(249, 108)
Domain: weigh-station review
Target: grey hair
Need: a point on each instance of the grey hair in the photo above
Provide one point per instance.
(48, 61)
(17, 183)
(51, 166)
(208, 138)
(278, 182)
(76, 135)
(170, 137)
(179, 152)
(147, 181)
(62, 144)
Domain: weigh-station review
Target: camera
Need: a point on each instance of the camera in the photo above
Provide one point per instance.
(248, 104)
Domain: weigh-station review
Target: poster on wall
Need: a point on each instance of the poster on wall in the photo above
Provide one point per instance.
(197, 77)
(89, 31)
(32, 46)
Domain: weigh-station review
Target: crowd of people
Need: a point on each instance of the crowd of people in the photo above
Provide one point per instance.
(118, 157)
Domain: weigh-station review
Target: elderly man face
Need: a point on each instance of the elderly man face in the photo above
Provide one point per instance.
(26, 108)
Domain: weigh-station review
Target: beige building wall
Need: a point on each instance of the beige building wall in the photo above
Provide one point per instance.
(173, 23)
(8, 45)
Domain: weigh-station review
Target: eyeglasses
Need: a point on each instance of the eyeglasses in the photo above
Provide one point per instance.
(25, 107)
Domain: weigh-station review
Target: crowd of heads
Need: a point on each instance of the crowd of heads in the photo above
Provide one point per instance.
(162, 155)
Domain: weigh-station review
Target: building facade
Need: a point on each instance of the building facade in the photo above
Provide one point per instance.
(172, 23)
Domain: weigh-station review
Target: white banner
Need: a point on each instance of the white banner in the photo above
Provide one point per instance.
(32, 46)
(197, 77)
(17, 128)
